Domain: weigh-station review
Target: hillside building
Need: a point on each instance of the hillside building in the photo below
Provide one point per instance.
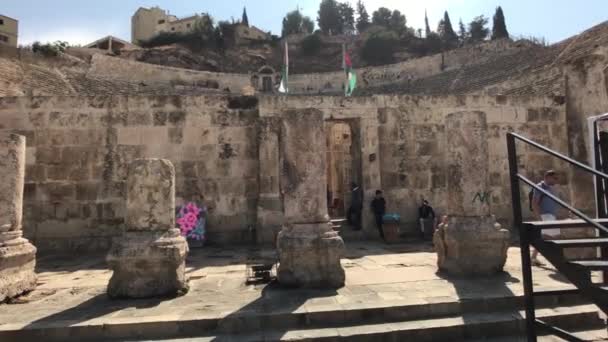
(9, 31)
(149, 22)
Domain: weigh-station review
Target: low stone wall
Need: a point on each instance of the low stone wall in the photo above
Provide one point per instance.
(227, 149)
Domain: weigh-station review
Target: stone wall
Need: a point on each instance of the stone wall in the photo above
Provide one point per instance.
(227, 149)
(78, 149)
(403, 138)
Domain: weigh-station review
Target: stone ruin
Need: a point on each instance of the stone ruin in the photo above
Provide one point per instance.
(309, 249)
(469, 241)
(17, 255)
(149, 259)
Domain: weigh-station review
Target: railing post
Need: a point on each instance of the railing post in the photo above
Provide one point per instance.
(524, 240)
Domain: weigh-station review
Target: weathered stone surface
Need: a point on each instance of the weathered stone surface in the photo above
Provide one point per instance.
(310, 256)
(309, 250)
(151, 195)
(149, 259)
(470, 246)
(148, 265)
(17, 255)
(303, 178)
(470, 241)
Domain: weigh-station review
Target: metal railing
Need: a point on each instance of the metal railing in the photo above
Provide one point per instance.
(524, 233)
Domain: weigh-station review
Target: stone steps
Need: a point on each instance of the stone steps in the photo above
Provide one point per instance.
(485, 326)
(359, 321)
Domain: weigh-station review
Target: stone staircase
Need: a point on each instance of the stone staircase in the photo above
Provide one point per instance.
(441, 320)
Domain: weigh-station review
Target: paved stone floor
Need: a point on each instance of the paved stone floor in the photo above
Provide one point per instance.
(72, 290)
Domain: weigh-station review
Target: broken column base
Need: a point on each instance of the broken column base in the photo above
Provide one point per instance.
(17, 264)
(148, 264)
(309, 256)
(471, 246)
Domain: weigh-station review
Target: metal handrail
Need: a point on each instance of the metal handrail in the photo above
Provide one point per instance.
(563, 204)
(525, 237)
(558, 155)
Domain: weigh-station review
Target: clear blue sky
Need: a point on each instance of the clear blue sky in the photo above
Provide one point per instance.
(81, 21)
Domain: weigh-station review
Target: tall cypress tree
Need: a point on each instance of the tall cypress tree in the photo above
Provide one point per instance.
(245, 20)
(446, 32)
(499, 30)
(426, 23)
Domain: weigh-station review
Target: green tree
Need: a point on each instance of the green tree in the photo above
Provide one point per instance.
(446, 31)
(307, 25)
(311, 45)
(204, 27)
(462, 32)
(329, 19)
(397, 22)
(347, 17)
(244, 19)
(379, 48)
(362, 17)
(295, 23)
(478, 30)
(382, 17)
(499, 29)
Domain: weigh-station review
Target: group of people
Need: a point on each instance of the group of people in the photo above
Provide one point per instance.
(543, 207)
(378, 208)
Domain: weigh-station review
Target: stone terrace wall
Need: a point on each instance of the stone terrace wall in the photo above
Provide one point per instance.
(78, 149)
(114, 68)
(227, 149)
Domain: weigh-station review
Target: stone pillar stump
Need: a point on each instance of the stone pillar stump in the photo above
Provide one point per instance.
(17, 255)
(149, 259)
(309, 249)
(470, 242)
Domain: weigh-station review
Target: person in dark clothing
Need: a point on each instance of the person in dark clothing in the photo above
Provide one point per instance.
(426, 215)
(356, 206)
(379, 209)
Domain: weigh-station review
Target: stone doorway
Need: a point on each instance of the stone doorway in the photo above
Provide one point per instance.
(343, 164)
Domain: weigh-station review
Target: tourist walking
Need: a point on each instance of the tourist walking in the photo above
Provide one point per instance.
(545, 209)
(379, 209)
(356, 206)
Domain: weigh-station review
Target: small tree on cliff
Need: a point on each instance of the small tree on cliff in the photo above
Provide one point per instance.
(329, 19)
(499, 30)
(427, 28)
(478, 30)
(295, 23)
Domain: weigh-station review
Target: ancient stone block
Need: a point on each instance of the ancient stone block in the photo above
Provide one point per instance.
(149, 259)
(17, 255)
(470, 242)
(309, 250)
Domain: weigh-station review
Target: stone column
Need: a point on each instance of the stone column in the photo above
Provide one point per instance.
(270, 205)
(17, 255)
(149, 259)
(309, 249)
(470, 241)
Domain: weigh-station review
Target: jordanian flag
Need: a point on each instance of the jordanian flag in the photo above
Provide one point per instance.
(351, 76)
(285, 72)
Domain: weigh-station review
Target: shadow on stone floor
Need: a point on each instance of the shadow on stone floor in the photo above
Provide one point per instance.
(492, 286)
(95, 307)
(274, 300)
